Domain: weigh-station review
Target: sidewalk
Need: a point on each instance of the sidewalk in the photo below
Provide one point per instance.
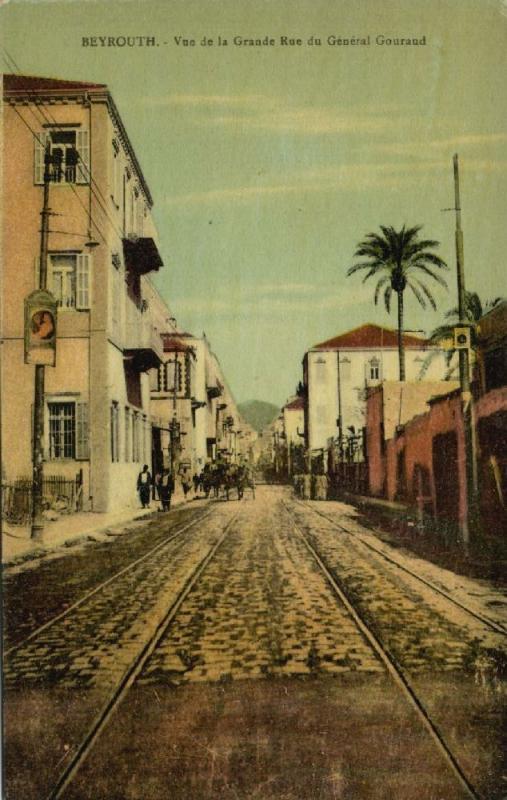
(17, 546)
(481, 594)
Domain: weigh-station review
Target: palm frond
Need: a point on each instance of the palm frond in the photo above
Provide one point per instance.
(372, 271)
(442, 332)
(427, 271)
(417, 293)
(382, 282)
(431, 258)
(428, 294)
(387, 298)
(489, 304)
(357, 267)
(453, 312)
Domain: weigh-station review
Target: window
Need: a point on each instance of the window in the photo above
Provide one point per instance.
(115, 432)
(140, 211)
(117, 289)
(166, 376)
(70, 155)
(146, 440)
(374, 369)
(128, 434)
(69, 279)
(116, 178)
(68, 430)
(136, 450)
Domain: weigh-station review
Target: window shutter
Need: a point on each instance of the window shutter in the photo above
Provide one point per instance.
(83, 281)
(82, 447)
(40, 140)
(83, 165)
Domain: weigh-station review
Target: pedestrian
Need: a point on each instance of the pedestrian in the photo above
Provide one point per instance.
(196, 480)
(144, 486)
(165, 489)
(321, 486)
(307, 486)
(185, 478)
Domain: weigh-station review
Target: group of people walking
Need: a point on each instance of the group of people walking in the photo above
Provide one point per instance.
(163, 485)
(215, 476)
(311, 487)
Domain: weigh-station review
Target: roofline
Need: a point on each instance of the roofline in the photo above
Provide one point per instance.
(320, 345)
(423, 346)
(98, 93)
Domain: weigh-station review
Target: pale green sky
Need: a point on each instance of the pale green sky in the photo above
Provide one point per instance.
(268, 165)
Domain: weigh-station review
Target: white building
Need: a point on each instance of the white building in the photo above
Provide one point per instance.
(102, 249)
(338, 372)
(198, 416)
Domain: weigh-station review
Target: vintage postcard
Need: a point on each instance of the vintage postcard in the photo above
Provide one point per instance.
(254, 399)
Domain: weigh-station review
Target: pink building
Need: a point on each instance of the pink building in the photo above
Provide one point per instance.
(421, 462)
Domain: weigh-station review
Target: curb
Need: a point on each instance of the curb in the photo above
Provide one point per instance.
(40, 550)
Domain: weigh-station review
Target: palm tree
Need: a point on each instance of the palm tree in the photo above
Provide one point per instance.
(400, 259)
(475, 309)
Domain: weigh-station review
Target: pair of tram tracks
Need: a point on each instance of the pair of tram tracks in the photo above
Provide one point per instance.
(137, 664)
(358, 536)
(389, 661)
(101, 586)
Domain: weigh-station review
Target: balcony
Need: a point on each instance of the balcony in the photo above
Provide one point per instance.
(142, 344)
(141, 254)
(214, 389)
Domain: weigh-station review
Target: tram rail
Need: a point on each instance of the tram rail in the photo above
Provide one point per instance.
(134, 670)
(88, 595)
(358, 536)
(389, 661)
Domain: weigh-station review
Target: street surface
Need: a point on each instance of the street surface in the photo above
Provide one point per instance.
(261, 682)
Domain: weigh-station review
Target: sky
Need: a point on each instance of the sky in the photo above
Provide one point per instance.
(268, 164)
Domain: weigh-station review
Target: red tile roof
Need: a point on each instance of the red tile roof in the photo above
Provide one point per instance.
(296, 404)
(370, 336)
(32, 83)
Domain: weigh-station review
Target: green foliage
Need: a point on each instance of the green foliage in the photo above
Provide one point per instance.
(397, 260)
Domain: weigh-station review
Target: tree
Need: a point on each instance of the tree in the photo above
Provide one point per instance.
(475, 309)
(400, 259)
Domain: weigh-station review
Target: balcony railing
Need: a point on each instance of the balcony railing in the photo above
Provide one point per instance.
(142, 341)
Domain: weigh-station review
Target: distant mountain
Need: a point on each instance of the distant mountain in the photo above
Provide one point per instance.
(258, 413)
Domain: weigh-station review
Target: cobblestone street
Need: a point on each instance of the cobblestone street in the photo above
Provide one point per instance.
(252, 678)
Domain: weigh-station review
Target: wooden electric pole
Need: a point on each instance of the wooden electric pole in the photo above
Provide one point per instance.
(470, 517)
(38, 403)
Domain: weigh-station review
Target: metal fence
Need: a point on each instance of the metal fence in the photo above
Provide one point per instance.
(58, 493)
(351, 478)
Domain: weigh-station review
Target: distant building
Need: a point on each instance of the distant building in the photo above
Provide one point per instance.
(294, 426)
(198, 416)
(102, 250)
(338, 372)
(416, 439)
(294, 420)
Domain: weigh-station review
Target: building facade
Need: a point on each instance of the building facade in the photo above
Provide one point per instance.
(416, 440)
(337, 374)
(102, 250)
(199, 418)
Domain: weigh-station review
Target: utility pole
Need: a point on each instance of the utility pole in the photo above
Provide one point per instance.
(464, 378)
(38, 402)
